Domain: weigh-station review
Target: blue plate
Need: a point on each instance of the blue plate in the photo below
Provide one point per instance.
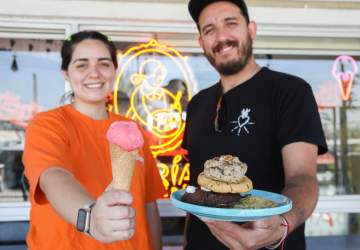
(235, 214)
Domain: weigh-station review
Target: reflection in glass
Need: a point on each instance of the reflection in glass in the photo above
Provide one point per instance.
(157, 83)
(339, 169)
(322, 224)
(30, 82)
(2, 171)
(37, 85)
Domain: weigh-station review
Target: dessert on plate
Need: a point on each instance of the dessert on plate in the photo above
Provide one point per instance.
(222, 183)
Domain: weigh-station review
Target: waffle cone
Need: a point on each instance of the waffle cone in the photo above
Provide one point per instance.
(122, 163)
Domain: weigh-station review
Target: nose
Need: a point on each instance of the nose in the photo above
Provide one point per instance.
(221, 35)
(94, 72)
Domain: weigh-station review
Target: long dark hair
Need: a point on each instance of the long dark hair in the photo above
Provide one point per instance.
(70, 43)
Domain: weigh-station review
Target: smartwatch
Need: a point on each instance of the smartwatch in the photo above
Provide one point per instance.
(83, 218)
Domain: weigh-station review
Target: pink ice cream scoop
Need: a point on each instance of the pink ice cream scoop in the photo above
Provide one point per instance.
(124, 139)
(125, 135)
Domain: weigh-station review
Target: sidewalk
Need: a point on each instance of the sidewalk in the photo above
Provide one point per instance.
(348, 242)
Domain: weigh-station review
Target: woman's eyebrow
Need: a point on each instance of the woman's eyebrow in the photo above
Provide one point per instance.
(86, 59)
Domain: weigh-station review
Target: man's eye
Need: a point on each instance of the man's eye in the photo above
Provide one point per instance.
(232, 24)
(208, 31)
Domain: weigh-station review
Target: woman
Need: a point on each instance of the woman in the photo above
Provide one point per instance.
(67, 162)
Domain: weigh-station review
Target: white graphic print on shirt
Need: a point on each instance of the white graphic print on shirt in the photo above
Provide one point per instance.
(242, 122)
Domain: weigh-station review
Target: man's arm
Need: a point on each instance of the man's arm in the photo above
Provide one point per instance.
(299, 160)
(153, 217)
(301, 186)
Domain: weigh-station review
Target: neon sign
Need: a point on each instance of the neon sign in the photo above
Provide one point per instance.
(175, 177)
(344, 70)
(158, 103)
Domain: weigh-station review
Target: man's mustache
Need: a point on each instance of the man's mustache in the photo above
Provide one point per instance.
(218, 47)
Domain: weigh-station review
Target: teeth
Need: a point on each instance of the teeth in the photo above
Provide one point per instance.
(94, 85)
(226, 49)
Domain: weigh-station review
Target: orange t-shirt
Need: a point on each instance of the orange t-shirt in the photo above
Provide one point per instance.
(66, 138)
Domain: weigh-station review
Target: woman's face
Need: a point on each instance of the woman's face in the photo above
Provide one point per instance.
(91, 72)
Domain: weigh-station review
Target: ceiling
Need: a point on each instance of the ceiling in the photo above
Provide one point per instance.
(328, 4)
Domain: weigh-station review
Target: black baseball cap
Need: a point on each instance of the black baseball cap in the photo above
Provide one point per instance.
(196, 6)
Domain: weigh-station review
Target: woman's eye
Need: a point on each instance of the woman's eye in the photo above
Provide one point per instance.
(80, 66)
(106, 65)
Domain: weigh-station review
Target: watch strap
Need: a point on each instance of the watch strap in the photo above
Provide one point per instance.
(87, 229)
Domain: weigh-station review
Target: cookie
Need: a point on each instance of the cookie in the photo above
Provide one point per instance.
(221, 187)
(225, 168)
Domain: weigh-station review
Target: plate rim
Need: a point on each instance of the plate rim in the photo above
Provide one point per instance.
(236, 214)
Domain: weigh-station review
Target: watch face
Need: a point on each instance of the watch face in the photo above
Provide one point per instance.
(81, 220)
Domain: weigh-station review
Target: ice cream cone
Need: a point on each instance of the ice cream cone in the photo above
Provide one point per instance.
(123, 164)
(125, 140)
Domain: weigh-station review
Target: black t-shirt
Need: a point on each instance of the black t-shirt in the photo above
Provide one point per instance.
(262, 115)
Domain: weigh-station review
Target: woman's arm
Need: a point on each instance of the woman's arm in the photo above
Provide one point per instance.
(112, 218)
(152, 213)
(64, 192)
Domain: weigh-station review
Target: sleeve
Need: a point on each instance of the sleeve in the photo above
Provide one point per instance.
(298, 117)
(154, 185)
(46, 146)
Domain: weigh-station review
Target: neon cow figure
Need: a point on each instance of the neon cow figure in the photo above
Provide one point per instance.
(344, 70)
(158, 109)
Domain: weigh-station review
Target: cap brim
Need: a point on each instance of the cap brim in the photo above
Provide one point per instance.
(196, 6)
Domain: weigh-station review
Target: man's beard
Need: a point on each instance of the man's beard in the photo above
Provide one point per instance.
(236, 65)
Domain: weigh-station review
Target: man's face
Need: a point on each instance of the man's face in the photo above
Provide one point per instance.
(225, 37)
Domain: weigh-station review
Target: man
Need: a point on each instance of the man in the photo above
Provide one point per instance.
(266, 118)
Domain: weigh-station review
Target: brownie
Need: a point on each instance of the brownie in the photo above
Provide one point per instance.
(211, 199)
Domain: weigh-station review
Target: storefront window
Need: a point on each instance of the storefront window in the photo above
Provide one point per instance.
(339, 169)
(150, 69)
(323, 224)
(154, 85)
(30, 82)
